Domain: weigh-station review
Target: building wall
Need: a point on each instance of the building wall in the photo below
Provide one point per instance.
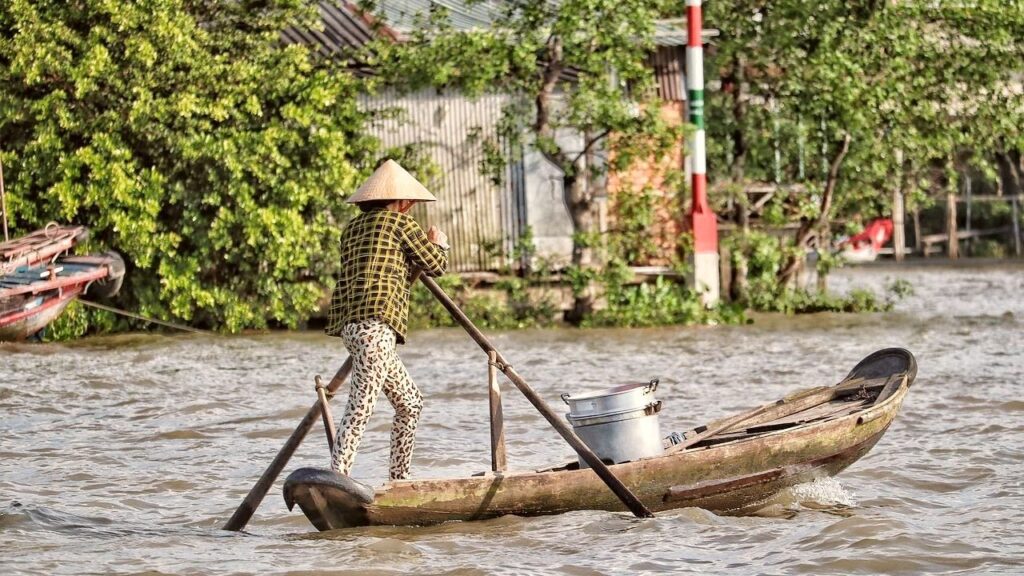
(547, 214)
(481, 218)
(669, 199)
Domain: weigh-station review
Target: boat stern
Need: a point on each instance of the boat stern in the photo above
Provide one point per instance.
(330, 500)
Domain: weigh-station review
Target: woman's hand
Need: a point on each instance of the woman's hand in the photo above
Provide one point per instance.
(435, 236)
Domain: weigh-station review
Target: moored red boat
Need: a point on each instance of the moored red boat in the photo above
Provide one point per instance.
(38, 279)
(729, 466)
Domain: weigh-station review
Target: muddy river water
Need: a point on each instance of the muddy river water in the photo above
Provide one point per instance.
(126, 454)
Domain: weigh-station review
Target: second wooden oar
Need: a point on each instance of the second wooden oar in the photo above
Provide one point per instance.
(614, 484)
(252, 500)
(325, 410)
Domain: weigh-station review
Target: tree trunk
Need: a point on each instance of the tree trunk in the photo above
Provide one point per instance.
(578, 198)
(740, 286)
(899, 211)
(580, 202)
(953, 244)
(1009, 172)
(741, 215)
(736, 76)
(806, 233)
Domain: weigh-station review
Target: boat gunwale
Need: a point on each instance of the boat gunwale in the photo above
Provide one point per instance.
(98, 272)
(63, 298)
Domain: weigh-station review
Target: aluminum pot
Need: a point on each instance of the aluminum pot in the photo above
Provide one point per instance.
(622, 437)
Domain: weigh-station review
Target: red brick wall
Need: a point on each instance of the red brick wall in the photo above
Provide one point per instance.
(668, 219)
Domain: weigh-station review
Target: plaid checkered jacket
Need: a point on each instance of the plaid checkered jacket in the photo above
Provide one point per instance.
(379, 250)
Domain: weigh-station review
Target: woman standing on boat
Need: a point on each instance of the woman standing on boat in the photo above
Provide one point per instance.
(381, 249)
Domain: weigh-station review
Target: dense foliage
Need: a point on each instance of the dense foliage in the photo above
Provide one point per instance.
(190, 139)
(215, 158)
(531, 298)
(853, 101)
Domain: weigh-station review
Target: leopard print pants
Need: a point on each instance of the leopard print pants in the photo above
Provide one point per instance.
(375, 368)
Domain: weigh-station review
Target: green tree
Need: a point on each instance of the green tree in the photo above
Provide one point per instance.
(188, 137)
(878, 95)
(576, 70)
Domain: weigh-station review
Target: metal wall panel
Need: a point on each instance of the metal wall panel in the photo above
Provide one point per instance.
(482, 220)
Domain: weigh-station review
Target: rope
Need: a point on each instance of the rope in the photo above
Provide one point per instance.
(321, 386)
(138, 317)
(500, 365)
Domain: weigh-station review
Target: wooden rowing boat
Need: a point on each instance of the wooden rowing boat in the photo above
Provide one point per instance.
(38, 279)
(729, 466)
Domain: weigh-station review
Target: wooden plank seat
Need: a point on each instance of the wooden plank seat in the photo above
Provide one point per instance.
(929, 241)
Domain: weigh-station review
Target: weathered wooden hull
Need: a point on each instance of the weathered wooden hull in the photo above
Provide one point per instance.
(729, 477)
(24, 323)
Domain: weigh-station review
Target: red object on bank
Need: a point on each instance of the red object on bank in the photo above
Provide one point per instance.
(877, 233)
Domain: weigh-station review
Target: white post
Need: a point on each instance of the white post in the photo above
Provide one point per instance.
(899, 213)
(3, 200)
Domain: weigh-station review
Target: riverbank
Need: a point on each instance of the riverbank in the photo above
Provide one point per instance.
(648, 297)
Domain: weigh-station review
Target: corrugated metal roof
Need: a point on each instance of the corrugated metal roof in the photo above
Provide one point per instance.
(401, 15)
(344, 27)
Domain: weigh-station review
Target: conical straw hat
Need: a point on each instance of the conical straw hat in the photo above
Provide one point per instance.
(391, 182)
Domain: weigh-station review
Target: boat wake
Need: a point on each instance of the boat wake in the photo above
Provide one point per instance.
(823, 492)
(54, 520)
(36, 519)
(822, 495)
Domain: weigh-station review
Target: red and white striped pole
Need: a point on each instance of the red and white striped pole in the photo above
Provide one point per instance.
(700, 220)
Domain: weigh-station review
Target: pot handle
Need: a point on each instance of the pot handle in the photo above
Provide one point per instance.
(652, 386)
(565, 397)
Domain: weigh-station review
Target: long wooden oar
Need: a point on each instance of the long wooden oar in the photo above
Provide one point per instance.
(628, 498)
(252, 501)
